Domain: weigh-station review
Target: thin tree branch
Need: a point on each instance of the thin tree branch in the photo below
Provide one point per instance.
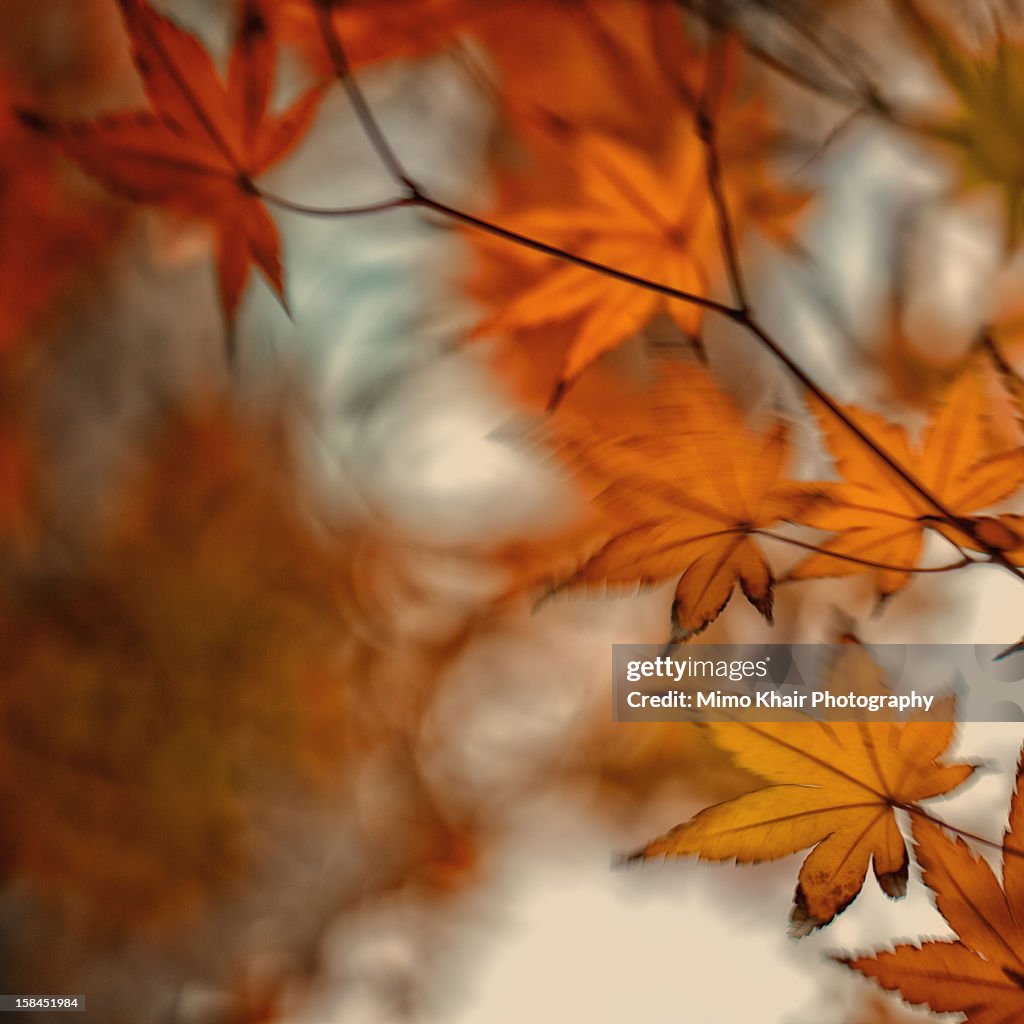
(1013, 384)
(425, 202)
(839, 129)
(866, 562)
(858, 90)
(841, 92)
(706, 132)
(342, 211)
(727, 234)
(846, 62)
(363, 111)
(988, 342)
(486, 226)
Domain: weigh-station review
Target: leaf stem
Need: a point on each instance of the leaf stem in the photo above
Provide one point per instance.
(867, 562)
(1012, 382)
(916, 809)
(341, 211)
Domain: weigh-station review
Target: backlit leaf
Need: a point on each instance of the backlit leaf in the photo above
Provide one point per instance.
(980, 973)
(834, 788)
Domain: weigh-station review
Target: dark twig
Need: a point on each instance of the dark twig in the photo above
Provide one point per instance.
(726, 230)
(866, 562)
(479, 224)
(341, 211)
(362, 108)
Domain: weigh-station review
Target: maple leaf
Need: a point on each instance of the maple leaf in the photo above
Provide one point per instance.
(981, 972)
(632, 217)
(988, 88)
(651, 218)
(640, 203)
(202, 144)
(835, 787)
(629, 192)
(878, 516)
(586, 63)
(686, 491)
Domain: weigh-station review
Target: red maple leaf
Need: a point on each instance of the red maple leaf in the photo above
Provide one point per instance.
(203, 143)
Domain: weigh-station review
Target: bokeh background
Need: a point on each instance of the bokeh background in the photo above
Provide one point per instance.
(277, 742)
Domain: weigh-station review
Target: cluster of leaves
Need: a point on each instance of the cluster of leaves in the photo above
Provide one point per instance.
(836, 787)
(683, 491)
(618, 211)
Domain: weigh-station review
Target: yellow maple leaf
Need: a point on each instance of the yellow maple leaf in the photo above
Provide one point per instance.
(835, 787)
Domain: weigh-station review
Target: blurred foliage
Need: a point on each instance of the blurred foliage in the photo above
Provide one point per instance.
(154, 680)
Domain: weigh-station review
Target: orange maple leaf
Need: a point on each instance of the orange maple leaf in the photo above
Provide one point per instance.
(631, 216)
(591, 63)
(878, 516)
(204, 142)
(686, 493)
(835, 787)
(630, 193)
(980, 973)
